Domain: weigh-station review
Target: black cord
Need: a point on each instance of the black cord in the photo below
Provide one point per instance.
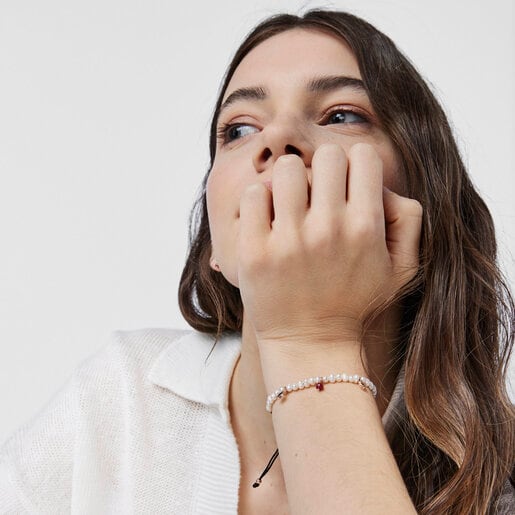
(270, 463)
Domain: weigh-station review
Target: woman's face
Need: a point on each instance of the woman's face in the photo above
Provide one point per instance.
(290, 94)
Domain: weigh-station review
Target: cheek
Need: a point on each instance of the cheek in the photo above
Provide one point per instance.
(222, 192)
(222, 201)
(210, 190)
(214, 204)
(228, 179)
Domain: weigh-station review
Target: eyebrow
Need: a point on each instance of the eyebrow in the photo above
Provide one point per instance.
(316, 85)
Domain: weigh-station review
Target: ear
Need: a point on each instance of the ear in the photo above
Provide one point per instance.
(214, 265)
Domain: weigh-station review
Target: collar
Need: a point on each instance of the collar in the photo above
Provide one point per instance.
(184, 368)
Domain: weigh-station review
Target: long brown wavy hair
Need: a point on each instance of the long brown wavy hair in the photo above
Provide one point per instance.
(455, 443)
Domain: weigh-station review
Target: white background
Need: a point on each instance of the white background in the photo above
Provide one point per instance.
(104, 114)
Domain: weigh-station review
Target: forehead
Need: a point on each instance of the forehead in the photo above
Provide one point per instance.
(294, 56)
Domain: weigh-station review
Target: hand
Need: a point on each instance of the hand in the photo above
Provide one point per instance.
(324, 263)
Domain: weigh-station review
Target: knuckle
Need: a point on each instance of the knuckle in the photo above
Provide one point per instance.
(325, 238)
(284, 255)
(253, 261)
(253, 191)
(414, 207)
(363, 229)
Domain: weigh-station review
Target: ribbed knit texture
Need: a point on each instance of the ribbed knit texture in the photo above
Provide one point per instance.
(141, 427)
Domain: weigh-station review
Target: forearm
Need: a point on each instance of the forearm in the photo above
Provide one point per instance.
(333, 449)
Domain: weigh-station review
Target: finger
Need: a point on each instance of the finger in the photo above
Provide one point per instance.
(329, 178)
(365, 185)
(290, 190)
(256, 211)
(403, 218)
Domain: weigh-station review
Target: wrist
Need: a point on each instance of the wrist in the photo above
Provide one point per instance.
(346, 332)
(291, 361)
(307, 348)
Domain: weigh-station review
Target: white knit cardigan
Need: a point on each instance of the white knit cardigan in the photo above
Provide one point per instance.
(141, 427)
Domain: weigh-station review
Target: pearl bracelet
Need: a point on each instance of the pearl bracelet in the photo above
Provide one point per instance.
(318, 382)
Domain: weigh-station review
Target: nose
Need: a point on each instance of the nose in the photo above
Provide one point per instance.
(280, 138)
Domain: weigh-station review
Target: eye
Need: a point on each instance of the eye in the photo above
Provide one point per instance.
(344, 116)
(228, 132)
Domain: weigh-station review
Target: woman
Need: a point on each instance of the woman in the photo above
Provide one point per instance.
(442, 324)
(338, 233)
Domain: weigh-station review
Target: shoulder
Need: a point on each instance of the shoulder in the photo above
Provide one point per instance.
(105, 399)
(123, 366)
(97, 385)
(130, 355)
(154, 367)
(134, 348)
(124, 355)
(127, 350)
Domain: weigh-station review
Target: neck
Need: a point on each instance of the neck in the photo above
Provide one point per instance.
(252, 425)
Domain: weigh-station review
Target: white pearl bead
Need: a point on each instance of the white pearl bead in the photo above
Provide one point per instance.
(364, 382)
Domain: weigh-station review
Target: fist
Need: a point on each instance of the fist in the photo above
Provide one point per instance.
(315, 261)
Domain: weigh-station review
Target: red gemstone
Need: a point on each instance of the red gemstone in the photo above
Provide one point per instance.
(320, 386)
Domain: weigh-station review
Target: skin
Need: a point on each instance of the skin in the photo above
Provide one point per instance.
(305, 221)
